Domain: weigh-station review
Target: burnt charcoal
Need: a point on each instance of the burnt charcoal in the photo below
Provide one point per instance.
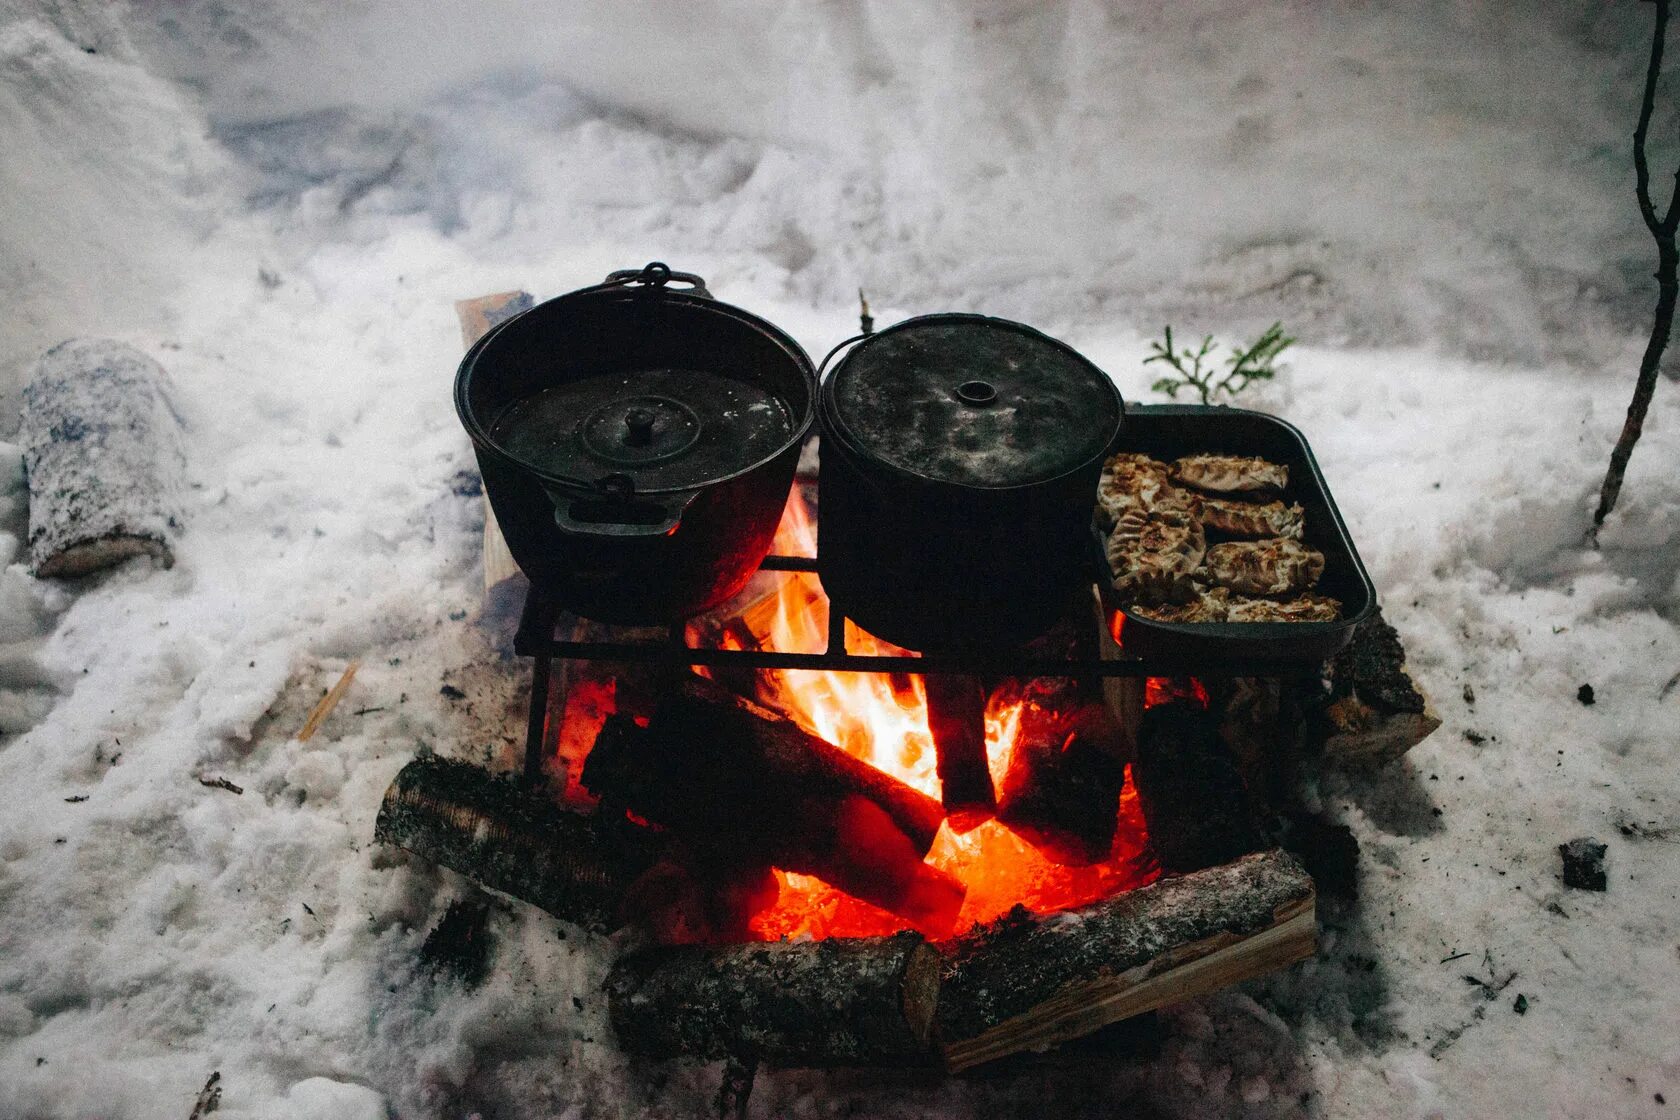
(459, 945)
(1585, 695)
(1520, 1005)
(1583, 864)
(1195, 806)
(1328, 851)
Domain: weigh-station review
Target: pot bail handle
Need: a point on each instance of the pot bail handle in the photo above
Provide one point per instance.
(656, 274)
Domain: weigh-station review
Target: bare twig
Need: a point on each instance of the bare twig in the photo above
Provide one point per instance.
(209, 1098)
(1663, 231)
(220, 782)
(328, 703)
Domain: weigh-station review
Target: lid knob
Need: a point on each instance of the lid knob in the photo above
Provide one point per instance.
(638, 423)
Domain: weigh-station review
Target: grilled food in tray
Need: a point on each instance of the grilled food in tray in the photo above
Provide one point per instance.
(1159, 516)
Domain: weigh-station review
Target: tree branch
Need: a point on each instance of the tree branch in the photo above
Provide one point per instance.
(1641, 167)
(1668, 285)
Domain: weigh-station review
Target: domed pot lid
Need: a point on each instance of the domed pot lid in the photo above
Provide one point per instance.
(650, 430)
(971, 401)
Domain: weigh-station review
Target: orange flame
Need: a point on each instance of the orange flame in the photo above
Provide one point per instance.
(885, 724)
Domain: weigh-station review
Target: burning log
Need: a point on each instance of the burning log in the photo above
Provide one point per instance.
(737, 779)
(692, 901)
(487, 828)
(1063, 796)
(102, 448)
(1193, 799)
(843, 1002)
(1029, 982)
(956, 713)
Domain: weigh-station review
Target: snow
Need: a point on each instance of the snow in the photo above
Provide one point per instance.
(280, 203)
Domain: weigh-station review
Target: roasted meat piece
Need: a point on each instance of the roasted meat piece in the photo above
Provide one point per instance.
(1133, 483)
(1252, 519)
(1154, 556)
(1208, 605)
(1271, 567)
(1228, 474)
(1306, 607)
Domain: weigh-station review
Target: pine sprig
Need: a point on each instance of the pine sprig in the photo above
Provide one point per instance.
(1193, 369)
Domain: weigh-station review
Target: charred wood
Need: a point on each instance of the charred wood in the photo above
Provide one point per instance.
(1375, 712)
(956, 711)
(841, 1002)
(1196, 808)
(738, 780)
(690, 900)
(1061, 792)
(501, 836)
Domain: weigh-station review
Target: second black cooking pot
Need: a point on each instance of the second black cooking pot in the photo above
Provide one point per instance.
(637, 442)
(960, 460)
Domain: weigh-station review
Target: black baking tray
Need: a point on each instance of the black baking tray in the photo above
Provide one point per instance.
(1170, 431)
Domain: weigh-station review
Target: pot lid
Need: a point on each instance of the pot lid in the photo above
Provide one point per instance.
(660, 429)
(972, 401)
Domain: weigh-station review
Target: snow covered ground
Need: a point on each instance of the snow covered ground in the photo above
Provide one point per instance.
(280, 204)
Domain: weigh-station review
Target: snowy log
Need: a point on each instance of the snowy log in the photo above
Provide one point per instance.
(490, 830)
(1030, 981)
(103, 449)
(842, 1002)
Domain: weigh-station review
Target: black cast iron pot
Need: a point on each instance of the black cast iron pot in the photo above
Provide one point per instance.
(960, 459)
(637, 443)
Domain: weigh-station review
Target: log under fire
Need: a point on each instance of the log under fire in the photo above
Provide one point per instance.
(852, 861)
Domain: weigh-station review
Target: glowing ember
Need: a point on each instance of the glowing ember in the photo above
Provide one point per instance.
(1166, 690)
(884, 722)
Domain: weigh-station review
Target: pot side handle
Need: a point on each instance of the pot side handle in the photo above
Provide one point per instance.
(607, 517)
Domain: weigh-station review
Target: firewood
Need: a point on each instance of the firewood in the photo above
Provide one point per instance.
(477, 317)
(1061, 792)
(956, 711)
(103, 450)
(840, 1002)
(1375, 713)
(728, 775)
(1195, 806)
(689, 900)
(318, 715)
(1029, 982)
(492, 831)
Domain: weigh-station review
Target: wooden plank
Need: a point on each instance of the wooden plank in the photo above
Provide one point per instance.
(477, 316)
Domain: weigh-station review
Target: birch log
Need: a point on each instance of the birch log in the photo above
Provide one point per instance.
(103, 449)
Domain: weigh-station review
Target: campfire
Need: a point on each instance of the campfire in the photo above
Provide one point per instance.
(833, 850)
